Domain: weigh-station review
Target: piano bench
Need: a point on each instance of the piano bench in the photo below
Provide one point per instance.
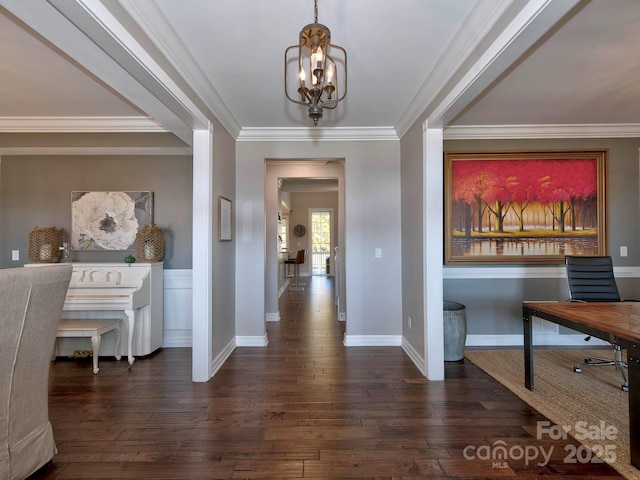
(93, 328)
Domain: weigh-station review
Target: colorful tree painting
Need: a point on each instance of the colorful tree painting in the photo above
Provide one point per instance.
(539, 205)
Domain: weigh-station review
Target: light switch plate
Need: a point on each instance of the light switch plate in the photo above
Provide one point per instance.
(15, 255)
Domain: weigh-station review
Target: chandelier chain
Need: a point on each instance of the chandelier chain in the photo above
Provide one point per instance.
(315, 12)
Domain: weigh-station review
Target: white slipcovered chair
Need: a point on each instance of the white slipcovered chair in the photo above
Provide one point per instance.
(31, 301)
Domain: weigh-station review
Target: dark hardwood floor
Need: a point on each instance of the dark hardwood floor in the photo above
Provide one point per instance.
(303, 407)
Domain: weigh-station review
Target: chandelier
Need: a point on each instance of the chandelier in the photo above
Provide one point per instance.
(316, 65)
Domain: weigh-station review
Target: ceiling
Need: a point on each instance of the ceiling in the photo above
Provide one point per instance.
(473, 67)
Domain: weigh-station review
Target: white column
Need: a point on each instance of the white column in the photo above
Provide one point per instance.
(202, 257)
(433, 181)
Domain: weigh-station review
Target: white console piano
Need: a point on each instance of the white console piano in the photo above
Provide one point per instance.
(133, 292)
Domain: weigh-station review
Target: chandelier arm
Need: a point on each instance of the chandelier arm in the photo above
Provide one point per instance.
(286, 84)
(306, 104)
(344, 52)
(299, 102)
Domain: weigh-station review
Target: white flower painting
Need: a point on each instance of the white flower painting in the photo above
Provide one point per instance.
(108, 220)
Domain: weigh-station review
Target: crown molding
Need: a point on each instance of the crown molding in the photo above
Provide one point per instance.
(304, 134)
(78, 124)
(91, 151)
(479, 132)
(300, 134)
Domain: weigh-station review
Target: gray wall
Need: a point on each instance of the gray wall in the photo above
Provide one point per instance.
(371, 218)
(36, 191)
(412, 178)
(224, 261)
(494, 307)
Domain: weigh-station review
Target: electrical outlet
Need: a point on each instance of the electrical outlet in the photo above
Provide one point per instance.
(378, 253)
(623, 251)
(15, 255)
(409, 322)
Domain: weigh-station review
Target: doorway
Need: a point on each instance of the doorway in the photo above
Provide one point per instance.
(321, 221)
(300, 185)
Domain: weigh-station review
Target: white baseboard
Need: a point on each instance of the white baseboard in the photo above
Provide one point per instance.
(252, 341)
(272, 317)
(177, 338)
(415, 357)
(372, 340)
(503, 341)
(222, 356)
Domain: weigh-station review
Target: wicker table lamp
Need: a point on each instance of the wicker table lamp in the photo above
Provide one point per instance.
(44, 245)
(150, 244)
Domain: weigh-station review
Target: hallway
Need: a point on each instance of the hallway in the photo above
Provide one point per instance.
(303, 407)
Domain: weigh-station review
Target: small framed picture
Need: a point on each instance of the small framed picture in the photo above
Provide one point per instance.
(224, 219)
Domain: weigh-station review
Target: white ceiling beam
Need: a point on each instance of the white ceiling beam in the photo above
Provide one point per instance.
(102, 27)
(48, 22)
(522, 24)
(157, 27)
(477, 25)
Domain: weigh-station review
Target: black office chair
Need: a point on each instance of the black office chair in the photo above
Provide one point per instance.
(591, 279)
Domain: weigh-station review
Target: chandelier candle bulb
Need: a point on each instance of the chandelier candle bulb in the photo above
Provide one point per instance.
(149, 251)
(46, 252)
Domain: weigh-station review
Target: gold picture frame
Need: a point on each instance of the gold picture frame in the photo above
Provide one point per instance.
(524, 207)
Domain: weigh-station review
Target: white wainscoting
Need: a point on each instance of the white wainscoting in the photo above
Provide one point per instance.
(177, 308)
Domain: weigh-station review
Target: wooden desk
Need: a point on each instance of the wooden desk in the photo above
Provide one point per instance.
(615, 322)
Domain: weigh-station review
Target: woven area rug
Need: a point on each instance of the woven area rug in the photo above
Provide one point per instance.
(566, 397)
